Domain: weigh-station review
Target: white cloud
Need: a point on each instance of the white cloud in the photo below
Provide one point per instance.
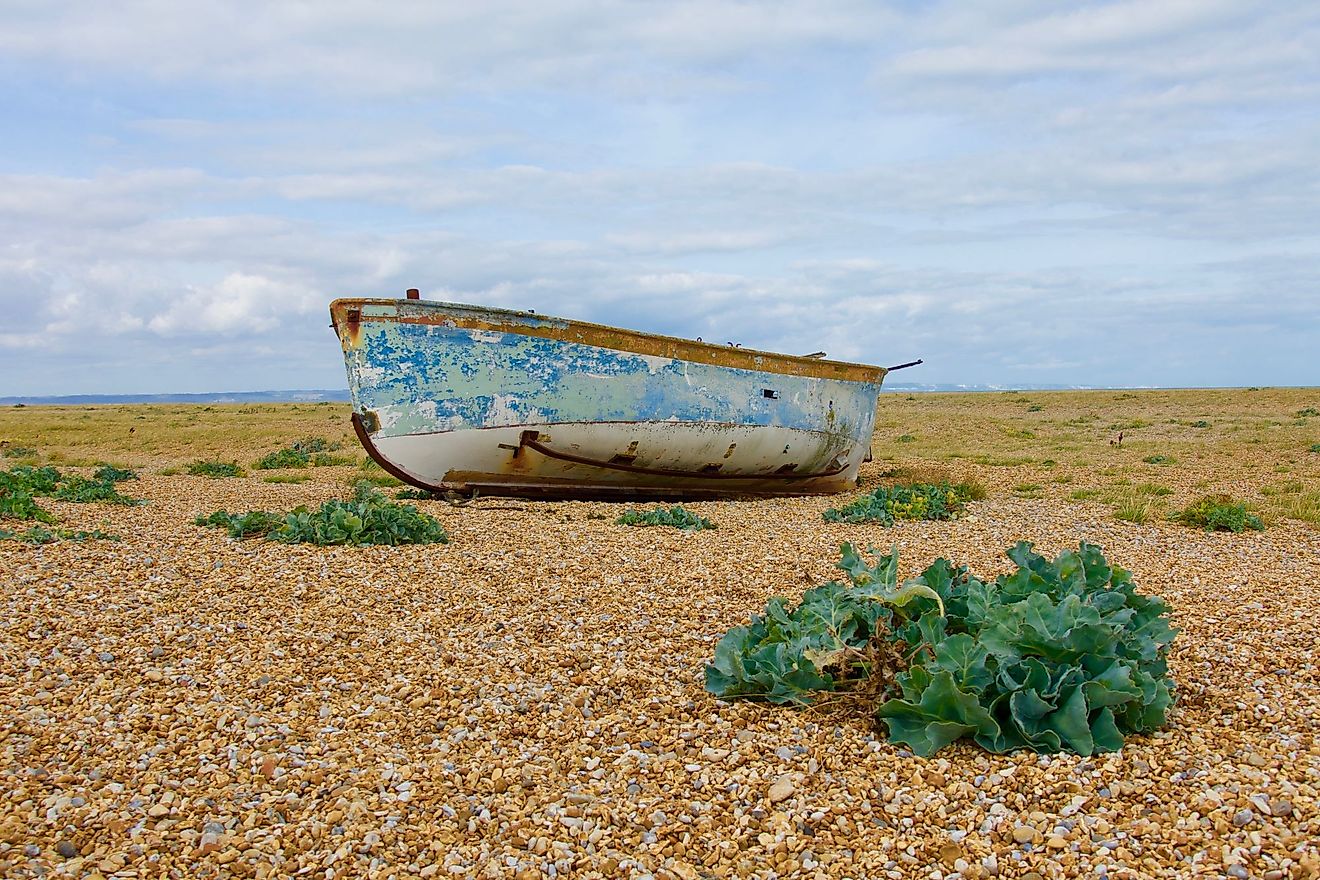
(1103, 192)
(368, 48)
(239, 304)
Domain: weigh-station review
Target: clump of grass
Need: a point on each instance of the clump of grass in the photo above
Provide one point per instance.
(1153, 489)
(215, 469)
(371, 471)
(325, 459)
(1315, 447)
(677, 517)
(369, 518)
(1035, 407)
(1299, 505)
(110, 474)
(914, 501)
(1219, 513)
(284, 458)
(1134, 510)
(19, 452)
(379, 479)
(1307, 412)
(1159, 459)
(1003, 461)
(1199, 423)
(1028, 490)
(906, 438)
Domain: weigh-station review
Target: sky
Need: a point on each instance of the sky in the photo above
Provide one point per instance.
(1101, 194)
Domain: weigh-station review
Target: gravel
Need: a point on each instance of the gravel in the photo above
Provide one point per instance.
(526, 701)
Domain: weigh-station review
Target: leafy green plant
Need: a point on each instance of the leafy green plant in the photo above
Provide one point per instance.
(37, 480)
(1060, 654)
(1307, 412)
(18, 488)
(1200, 423)
(1219, 513)
(43, 535)
(915, 501)
(1315, 447)
(85, 491)
(676, 517)
(905, 438)
(1035, 407)
(369, 518)
(1158, 459)
(108, 473)
(284, 458)
(412, 494)
(312, 445)
(215, 469)
(243, 525)
(786, 655)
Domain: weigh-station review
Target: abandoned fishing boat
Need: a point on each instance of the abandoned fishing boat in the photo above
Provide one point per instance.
(468, 399)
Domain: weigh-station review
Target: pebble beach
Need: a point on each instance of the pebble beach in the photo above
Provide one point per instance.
(526, 701)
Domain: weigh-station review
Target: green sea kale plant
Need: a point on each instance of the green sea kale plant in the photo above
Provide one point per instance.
(915, 501)
(19, 487)
(215, 469)
(1061, 654)
(1219, 513)
(677, 517)
(369, 518)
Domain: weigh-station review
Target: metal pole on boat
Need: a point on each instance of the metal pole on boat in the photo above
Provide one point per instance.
(905, 366)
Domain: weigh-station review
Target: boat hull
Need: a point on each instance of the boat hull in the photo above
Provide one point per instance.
(452, 397)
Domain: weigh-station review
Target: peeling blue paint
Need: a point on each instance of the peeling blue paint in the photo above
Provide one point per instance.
(421, 378)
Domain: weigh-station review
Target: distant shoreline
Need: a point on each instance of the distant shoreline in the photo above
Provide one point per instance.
(341, 396)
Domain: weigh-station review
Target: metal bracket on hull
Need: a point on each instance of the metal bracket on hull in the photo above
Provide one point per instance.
(386, 465)
(530, 439)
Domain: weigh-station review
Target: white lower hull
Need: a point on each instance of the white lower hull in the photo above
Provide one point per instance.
(661, 458)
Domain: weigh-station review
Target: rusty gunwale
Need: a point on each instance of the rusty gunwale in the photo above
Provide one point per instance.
(599, 335)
